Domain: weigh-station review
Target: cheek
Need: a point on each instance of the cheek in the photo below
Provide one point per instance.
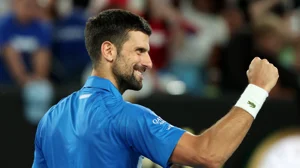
(130, 62)
(123, 66)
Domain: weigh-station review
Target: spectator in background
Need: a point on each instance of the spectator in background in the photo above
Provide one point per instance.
(235, 22)
(168, 28)
(265, 41)
(277, 9)
(25, 57)
(70, 55)
(191, 59)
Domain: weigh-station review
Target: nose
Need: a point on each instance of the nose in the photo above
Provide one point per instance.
(146, 61)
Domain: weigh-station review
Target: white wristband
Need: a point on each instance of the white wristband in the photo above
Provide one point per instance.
(252, 99)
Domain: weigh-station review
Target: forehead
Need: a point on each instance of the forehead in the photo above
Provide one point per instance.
(137, 39)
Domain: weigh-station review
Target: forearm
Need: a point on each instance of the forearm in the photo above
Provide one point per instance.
(15, 65)
(41, 63)
(223, 138)
(214, 146)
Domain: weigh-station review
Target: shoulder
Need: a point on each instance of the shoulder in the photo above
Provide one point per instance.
(136, 109)
(138, 114)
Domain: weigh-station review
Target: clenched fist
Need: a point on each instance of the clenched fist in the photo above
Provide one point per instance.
(262, 73)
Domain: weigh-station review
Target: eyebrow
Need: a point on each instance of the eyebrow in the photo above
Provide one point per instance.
(142, 49)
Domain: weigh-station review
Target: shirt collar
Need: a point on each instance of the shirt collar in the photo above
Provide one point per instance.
(102, 83)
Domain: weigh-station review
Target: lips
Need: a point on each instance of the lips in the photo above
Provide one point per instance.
(139, 70)
(139, 73)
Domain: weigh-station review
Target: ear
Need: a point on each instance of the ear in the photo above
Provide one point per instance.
(108, 51)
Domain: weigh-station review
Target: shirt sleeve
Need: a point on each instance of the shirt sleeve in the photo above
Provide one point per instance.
(39, 160)
(150, 135)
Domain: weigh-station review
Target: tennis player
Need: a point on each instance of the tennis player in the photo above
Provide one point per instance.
(94, 127)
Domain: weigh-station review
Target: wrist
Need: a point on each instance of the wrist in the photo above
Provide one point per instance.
(266, 88)
(252, 99)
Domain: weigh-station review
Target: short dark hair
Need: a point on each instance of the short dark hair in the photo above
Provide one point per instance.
(111, 25)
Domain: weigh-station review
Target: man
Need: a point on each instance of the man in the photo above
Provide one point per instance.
(25, 57)
(95, 127)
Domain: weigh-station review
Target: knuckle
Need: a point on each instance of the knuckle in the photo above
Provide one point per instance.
(265, 61)
(256, 59)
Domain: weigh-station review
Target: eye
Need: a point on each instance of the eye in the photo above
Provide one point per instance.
(140, 50)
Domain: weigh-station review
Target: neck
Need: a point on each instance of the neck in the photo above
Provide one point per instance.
(109, 76)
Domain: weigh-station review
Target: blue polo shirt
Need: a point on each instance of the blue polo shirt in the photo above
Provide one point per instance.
(95, 127)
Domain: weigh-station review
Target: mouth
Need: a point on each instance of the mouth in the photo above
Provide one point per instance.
(139, 70)
(139, 73)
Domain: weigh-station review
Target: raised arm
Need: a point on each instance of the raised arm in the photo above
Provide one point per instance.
(214, 146)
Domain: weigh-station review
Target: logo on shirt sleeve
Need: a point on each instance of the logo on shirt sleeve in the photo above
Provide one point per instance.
(170, 126)
(158, 120)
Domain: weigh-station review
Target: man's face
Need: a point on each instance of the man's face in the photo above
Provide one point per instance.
(25, 9)
(132, 61)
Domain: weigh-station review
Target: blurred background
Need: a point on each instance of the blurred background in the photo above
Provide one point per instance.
(200, 49)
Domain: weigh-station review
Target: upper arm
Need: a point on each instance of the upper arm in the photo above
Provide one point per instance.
(39, 159)
(187, 151)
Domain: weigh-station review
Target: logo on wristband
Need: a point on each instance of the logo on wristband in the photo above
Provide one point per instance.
(252, 105)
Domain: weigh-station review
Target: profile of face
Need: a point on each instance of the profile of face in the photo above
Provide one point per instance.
(25, 10)
(132, 61)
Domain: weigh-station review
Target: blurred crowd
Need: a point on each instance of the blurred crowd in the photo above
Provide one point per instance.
(198, 47)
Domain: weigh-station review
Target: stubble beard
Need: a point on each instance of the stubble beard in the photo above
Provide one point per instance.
(124, 78)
